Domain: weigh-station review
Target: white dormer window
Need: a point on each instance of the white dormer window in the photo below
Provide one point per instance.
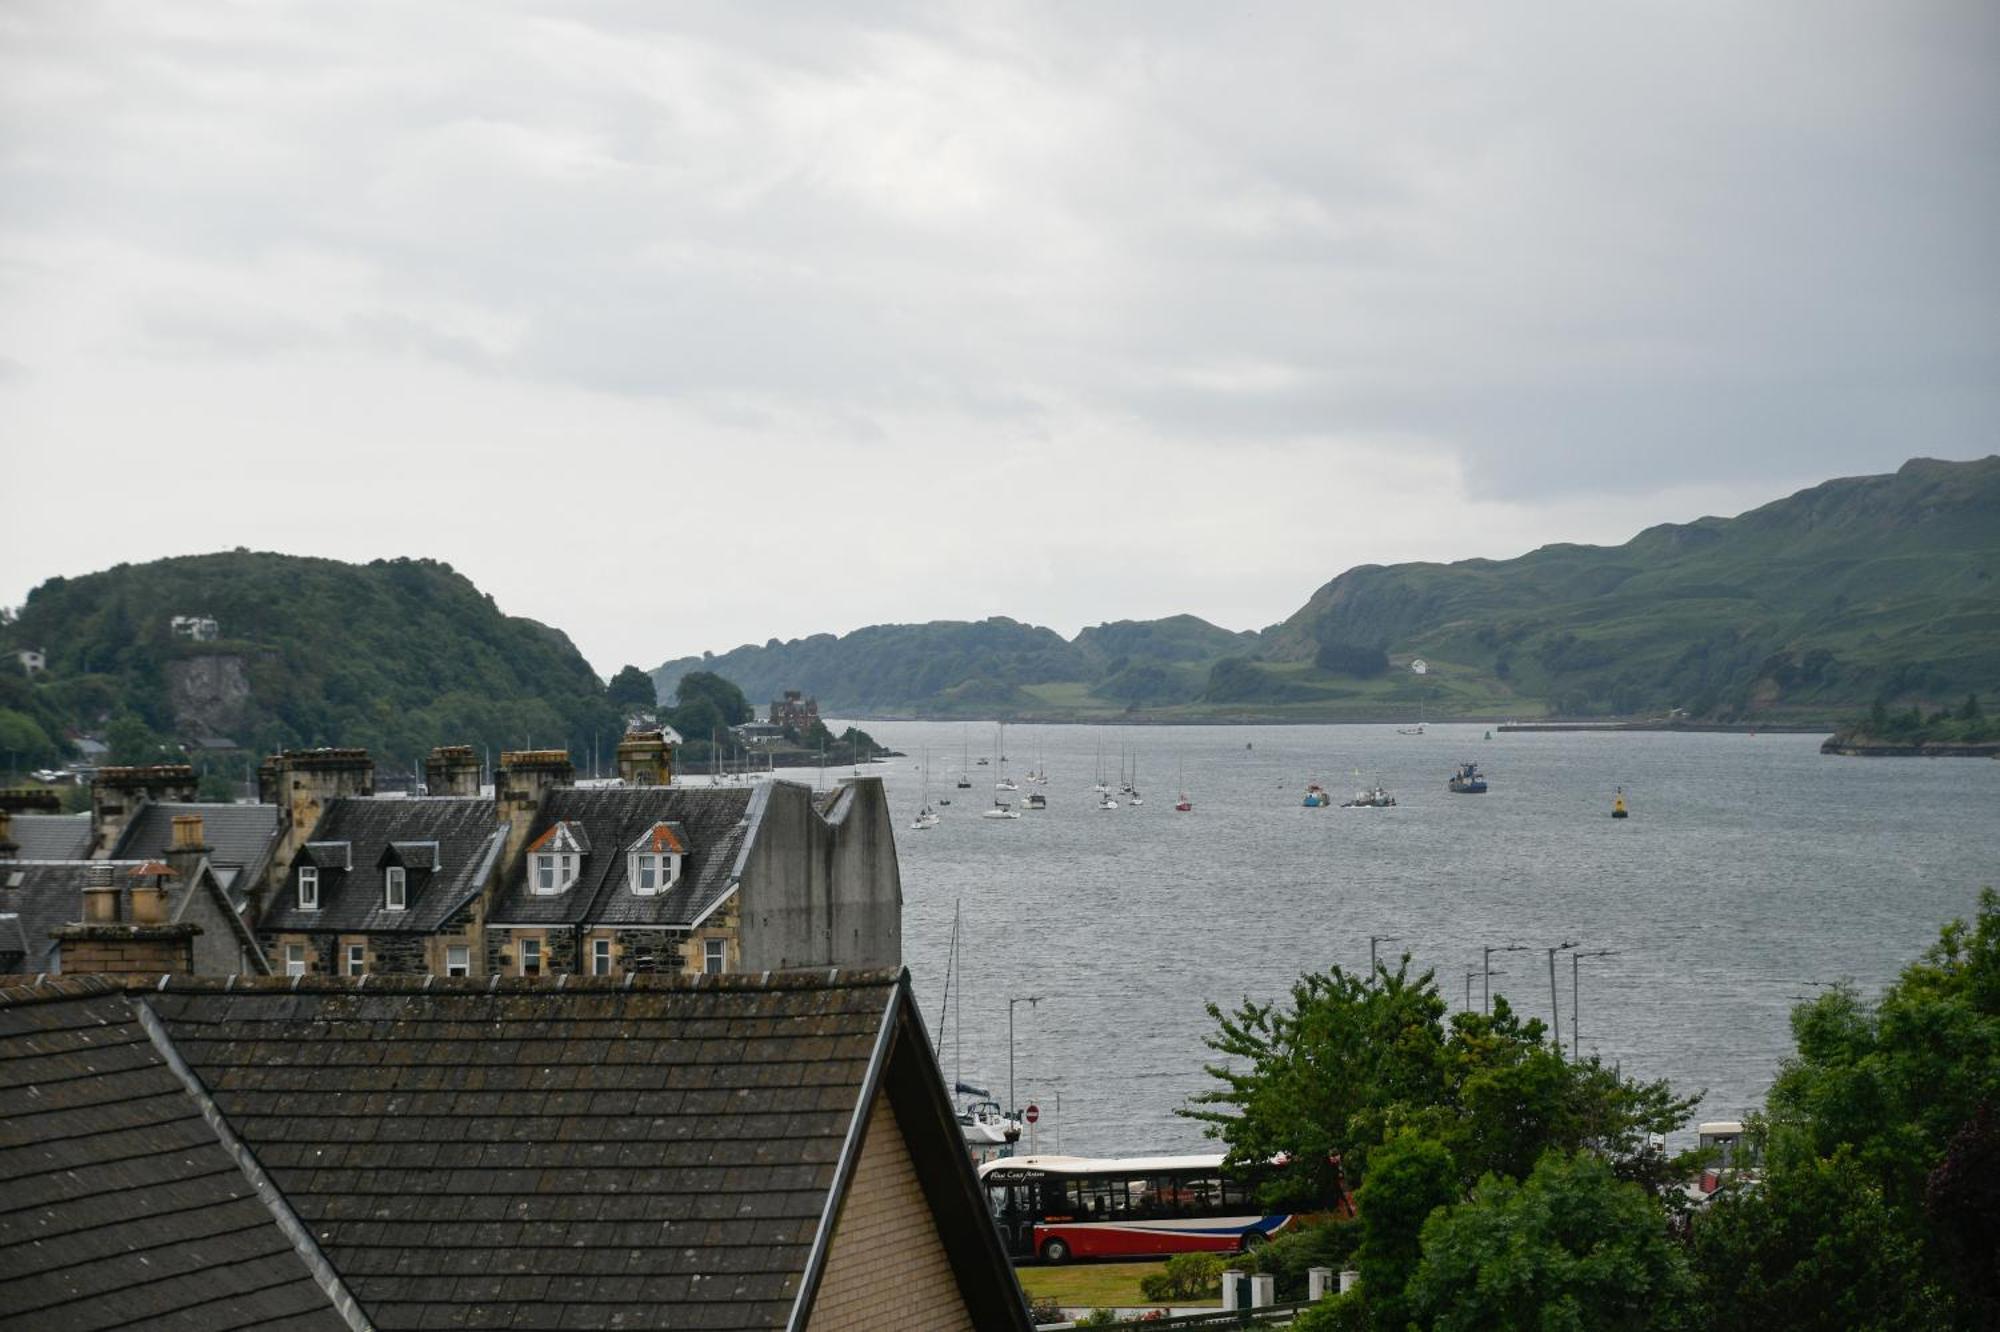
(554, 873)
(308, 888)
(395, 889)
(555, 859)
(653, 863)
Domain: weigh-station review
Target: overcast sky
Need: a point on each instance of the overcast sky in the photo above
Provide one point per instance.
(680, 326)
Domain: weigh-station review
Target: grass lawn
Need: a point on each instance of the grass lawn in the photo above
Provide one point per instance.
(1093, 1285)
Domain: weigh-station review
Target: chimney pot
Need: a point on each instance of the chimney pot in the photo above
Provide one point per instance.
(100, 903)
(188, 832)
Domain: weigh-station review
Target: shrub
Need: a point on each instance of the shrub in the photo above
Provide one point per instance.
(1189, 1276)
(1291, 1257)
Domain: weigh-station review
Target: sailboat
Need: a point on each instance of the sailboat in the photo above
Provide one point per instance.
(1132, 796)
(1100, 787)
(1001, 809)
(965, 765)
(1418, 729)
(1184, 805)
(1005, 783)
(984, 1126)
(927, 817)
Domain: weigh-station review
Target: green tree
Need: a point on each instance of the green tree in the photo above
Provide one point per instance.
(1970, 712)
(131, 741)
(1324, 1079)
(1887, 1090)
(632, 688)
(1814, 1248)
(1570, 1249)
(1409, 1178)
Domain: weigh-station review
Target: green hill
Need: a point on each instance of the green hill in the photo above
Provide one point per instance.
(396, 655)
(1809, 608)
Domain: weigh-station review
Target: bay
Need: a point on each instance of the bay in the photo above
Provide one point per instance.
(1753, 872)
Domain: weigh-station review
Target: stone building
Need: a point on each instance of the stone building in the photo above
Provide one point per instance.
(382, 886)
(548, 877)
(795, 712)
(170, 913)
(404, 1153)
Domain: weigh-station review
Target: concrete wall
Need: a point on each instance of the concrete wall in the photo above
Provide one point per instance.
(822, 891)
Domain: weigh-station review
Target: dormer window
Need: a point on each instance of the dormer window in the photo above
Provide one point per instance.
(395, 889)
(654, 861)
(308, 888)
(555, 859)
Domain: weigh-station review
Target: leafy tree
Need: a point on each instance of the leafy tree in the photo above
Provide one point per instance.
(1570, 1247)
(1885, 1093)
(632, 688)
(1970, 712)
(131, 741)
(1816, 1248)
(1410, 1178)
(1324, 1079)
(1962, 1200)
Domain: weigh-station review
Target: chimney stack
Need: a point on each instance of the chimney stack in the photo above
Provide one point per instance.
(189, 848)
(149, 893)
(102, 898)
(452, 770)
(302, 783)
(105, 943)
(116, 794)
(525, 777)
(645, 758)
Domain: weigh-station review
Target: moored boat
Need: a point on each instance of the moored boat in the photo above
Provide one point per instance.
(1468, 780)
(1316, 797)
(1373, 797)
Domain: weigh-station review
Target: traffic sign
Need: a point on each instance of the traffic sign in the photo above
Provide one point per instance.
(1034, 1112)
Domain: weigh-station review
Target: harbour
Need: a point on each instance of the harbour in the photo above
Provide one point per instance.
(1751, 874)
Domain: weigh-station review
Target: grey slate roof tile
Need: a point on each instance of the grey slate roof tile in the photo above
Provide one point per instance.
(51, 836)
(241, 838)
(715, 822)
(476, 1154)
(467, 833)
(116, 1200)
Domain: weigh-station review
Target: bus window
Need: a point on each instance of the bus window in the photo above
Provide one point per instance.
(1239, 1195)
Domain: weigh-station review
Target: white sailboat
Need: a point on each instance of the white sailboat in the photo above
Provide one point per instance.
(1005, 783)
(1001, 809)
(985, 1127)
(927, 818)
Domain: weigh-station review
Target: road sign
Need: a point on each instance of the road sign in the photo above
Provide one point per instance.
(1034, 1112)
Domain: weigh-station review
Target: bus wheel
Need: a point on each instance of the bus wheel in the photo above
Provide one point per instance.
(1253, 1239)
(1055, 1251)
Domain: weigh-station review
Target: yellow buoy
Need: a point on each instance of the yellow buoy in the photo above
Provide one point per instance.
(1618, 810)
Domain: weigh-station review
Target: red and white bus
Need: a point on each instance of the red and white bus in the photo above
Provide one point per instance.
(1060, 1207)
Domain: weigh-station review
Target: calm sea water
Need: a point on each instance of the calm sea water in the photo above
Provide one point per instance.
(1752, 870)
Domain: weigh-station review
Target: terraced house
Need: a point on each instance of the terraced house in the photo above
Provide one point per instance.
(546, 877)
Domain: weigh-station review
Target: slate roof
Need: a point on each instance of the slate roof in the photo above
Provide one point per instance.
(468, 836)
(644, 1152)
(716, 823)
(240, 837)
(118, 1204)
(51, 836)
(46, 895)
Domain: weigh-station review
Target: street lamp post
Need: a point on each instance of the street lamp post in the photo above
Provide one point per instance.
(1013, 1106)
(1374, 939)
(1555, 1009)
(1470, 972)
(1576, 1012)
(1486, 970)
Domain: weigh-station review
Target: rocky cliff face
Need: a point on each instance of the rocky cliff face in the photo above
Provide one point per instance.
(210, 694)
